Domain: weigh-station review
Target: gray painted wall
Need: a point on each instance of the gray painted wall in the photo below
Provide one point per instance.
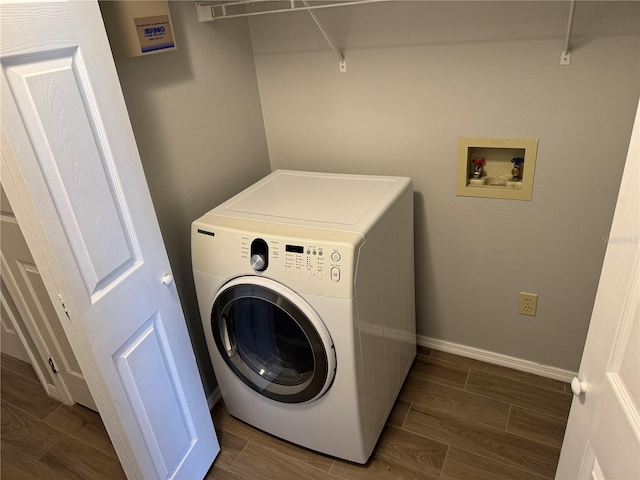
(422, 74)
(197, 119)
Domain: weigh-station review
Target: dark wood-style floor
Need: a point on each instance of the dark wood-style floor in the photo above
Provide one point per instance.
(44, 439)
(455, 419)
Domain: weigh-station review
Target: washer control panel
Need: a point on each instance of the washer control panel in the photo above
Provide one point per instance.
(312, 261)
(322, 263)
(309, 260)
(304, 264)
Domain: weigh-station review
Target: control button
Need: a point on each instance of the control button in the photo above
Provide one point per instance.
(320, 253)
(315, 253)
(335, 274)
(288, 271)
(319, 275)
(308, 273)
(298, 272)
(335, 256)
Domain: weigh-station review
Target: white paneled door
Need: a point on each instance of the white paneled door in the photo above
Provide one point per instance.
(602, 440)
(36, 316)
(72, 172)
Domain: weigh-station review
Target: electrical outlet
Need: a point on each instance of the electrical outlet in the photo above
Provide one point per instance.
(528, 304)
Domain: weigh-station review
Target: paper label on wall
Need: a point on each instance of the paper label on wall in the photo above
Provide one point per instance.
(154, 33)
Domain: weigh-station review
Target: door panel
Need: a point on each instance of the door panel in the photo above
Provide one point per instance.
(165, 423)
(11, 342)
(76, 175)
(41, 323)
(70, 144)
(615, 435)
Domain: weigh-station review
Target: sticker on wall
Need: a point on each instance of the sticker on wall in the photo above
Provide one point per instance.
(154, 33)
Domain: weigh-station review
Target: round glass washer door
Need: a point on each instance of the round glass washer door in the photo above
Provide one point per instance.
(273, 340)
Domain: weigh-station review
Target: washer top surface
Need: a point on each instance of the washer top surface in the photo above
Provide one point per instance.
(336, 200)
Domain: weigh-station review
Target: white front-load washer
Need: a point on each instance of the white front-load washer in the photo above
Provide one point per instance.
(305, 283)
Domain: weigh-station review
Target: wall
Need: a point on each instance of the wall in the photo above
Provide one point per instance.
(198, 123)
(422, 74)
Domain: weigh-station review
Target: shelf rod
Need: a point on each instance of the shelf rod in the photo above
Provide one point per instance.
(235, 4)
(206, 14)
(343, 64)
(565, 56)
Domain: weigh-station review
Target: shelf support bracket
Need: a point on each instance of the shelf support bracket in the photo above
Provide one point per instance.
(343, 63)
(205, 12)
(565, 56)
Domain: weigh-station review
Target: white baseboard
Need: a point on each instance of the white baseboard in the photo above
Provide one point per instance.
(213, 398)
(528, 366)
(497, 359)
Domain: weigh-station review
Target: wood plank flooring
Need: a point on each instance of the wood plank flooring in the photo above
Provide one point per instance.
(44, 439)
(455, 419)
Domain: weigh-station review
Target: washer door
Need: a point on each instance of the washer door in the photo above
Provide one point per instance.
(273, 340)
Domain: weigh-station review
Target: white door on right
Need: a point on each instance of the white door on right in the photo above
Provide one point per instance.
(602, 440)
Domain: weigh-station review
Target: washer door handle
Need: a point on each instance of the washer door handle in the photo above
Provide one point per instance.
(227, 338)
